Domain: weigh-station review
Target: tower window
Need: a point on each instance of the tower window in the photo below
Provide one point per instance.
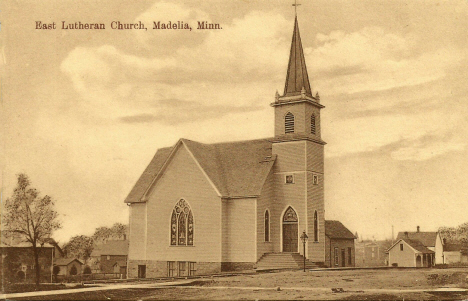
(289, 123)
(267, 225)
(312, 124)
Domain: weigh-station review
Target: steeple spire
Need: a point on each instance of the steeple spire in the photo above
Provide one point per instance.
(297, 78)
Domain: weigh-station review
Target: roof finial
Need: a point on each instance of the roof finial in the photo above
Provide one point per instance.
(295, 7)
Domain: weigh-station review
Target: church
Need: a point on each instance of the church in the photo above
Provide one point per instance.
(201, 209)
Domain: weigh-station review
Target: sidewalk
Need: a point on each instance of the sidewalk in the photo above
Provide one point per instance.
(101, 287)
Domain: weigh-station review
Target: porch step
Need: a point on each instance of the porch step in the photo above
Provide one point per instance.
(284, 261)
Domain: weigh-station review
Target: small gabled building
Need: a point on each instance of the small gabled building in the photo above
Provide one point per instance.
(431, 240)
(68, 266)
(410, 253)
(111, 257)
(339, 245)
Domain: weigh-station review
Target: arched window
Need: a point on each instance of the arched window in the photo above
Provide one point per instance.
(315, 226)
(289, 123)
(267, 225)
(312, 124)
(182, 225)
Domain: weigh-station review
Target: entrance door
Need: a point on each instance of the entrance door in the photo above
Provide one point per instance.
(290, 233)
(343, 259)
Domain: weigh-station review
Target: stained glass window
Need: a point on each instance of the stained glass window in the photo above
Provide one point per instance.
(182, 224)
(290, 215)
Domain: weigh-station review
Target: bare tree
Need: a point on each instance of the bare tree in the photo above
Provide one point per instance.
(30, 217)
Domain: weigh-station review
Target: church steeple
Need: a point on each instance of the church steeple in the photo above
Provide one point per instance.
(297, 78)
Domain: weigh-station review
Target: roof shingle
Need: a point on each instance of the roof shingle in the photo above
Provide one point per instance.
(237, 169)
(335, 229)
(426, 238)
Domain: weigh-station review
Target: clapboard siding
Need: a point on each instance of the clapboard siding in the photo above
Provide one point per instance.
(405, 258)
(137, 248)
(265, 202)
(239, 225)
(315, 157)
(315, 201)
(291, 156)
(183, 179)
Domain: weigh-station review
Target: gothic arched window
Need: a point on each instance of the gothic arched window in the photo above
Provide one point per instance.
(182, 225)
(267, 225)
(312, 124)
(289, 123)
(315, 226)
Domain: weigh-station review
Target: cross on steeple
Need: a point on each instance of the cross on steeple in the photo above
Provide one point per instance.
(295, 7)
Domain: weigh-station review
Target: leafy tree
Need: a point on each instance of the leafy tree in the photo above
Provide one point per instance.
(30, 217)
(80, 246)
(117, 231)
(459, 233)
(56, 270)
(73, 270)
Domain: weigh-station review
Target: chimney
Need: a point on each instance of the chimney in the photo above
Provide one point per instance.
(417, 229)
(406, 234)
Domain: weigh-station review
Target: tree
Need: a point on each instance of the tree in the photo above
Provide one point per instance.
(459, 233)
(30, 217)
(117, 231)
(80, 246)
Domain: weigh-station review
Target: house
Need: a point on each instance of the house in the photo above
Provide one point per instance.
(68, 266)
(430, 240)
(339, 242)
(372, 253)
(455, 252)
(17, 262)
(204, 208)
(113, 256)
(408, 252)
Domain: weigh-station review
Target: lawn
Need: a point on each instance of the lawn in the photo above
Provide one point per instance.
(394, 284)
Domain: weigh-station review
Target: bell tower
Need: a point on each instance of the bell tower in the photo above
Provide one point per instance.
(299, 167)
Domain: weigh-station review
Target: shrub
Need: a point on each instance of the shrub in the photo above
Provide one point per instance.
(87, 270)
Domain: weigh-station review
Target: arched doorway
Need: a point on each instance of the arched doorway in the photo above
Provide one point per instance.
(290, 233)
(418, 261)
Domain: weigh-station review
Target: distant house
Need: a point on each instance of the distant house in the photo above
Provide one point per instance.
(455, 252)
(339, 245)
(410, 253)
(68, 266)
(372, 253)
(430, 240)
(111, 257)
(17, 261)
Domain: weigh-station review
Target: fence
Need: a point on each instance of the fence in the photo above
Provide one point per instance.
(87, 277)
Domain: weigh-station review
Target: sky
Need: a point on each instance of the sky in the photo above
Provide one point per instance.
(84, 111)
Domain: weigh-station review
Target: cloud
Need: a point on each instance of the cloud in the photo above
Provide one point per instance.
(372, 59)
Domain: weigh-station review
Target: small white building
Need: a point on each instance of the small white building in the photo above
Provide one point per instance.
(410, 253)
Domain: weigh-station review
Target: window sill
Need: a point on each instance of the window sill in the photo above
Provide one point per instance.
(181, 246)
(267, 242)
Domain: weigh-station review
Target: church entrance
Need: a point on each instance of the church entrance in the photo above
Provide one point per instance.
(290, 233)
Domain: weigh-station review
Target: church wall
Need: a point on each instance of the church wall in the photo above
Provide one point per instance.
(137, 247)
(239, 231)
(298, 110)
(315, 200)
(182, 179)
(290, 161)
(264, 202)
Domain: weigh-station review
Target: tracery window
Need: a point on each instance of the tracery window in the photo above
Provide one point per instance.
(315, 226)
(289, 123)
(267, 225)
(312, 124)
(182, 225)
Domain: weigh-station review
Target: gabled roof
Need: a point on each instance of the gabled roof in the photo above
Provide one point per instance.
(335, 229)
(426, 238)
(65, 261)
(297, 77)
(111, 247)
(236, 169)
(415, 244)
